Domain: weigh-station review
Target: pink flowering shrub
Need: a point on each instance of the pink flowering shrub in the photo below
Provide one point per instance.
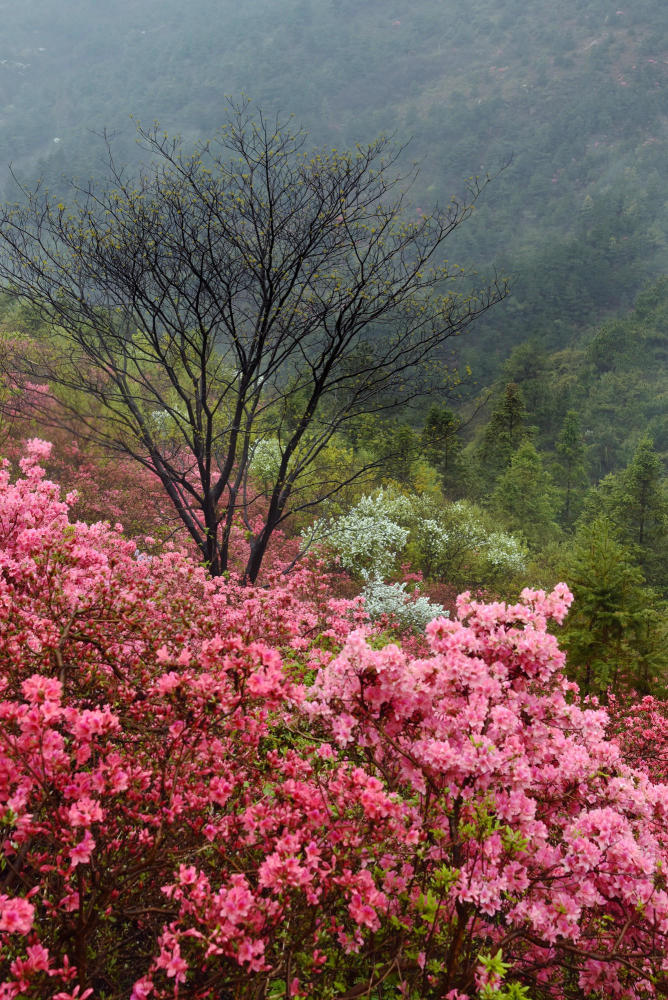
(535, 837)
(209, 791)
(641, 730)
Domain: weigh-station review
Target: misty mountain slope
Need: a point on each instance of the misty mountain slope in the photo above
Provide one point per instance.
(573, 96)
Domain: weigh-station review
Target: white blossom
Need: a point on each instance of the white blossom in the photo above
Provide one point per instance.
(373, 535)
(390, 599)
(265, 459)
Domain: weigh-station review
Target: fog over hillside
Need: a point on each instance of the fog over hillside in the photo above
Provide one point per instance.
(572, 98)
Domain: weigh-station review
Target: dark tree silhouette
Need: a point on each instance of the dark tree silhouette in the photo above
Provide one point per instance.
(247, 297)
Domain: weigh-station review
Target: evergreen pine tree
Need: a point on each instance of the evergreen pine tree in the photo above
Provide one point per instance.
(504, 432)
(442, 447)
(570, 448)
(635, 502)
(615, 631)
(525, 497)
(641, 502)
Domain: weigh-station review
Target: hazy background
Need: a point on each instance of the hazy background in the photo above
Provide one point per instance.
(575, 92)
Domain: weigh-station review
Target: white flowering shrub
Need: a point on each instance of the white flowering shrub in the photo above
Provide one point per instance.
(385, 503)
(368, 544)
(506, 551)
(366, 540)
(391, 600)
(461, 539)
(265, 459)
(454, 543)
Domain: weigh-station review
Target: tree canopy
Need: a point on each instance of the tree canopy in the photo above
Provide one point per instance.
(247, 294)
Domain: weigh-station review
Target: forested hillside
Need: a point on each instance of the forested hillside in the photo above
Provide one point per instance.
(613, 375)
(572, 98)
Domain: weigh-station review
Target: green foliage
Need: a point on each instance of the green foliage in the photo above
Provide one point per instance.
(404, 447)
(642, 505)
(570, 448)
(635, 501)
(615, 633)
(495, 970)
(531, 369)
(442, 447)
(613, 377)
(525, 497)
(504, 432)
(463, 545)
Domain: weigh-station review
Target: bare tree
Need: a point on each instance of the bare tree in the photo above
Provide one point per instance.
(244, 297)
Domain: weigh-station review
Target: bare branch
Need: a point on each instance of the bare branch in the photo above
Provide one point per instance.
(246, 291)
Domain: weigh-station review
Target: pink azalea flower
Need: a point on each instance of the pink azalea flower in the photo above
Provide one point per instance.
(16, 914)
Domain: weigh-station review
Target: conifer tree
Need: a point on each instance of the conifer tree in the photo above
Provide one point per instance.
(635, 502)
(526, 498)
(641, 501)
(571, 451)
(405, 448)
(442, 446)
(504, 432)
(614, 635)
